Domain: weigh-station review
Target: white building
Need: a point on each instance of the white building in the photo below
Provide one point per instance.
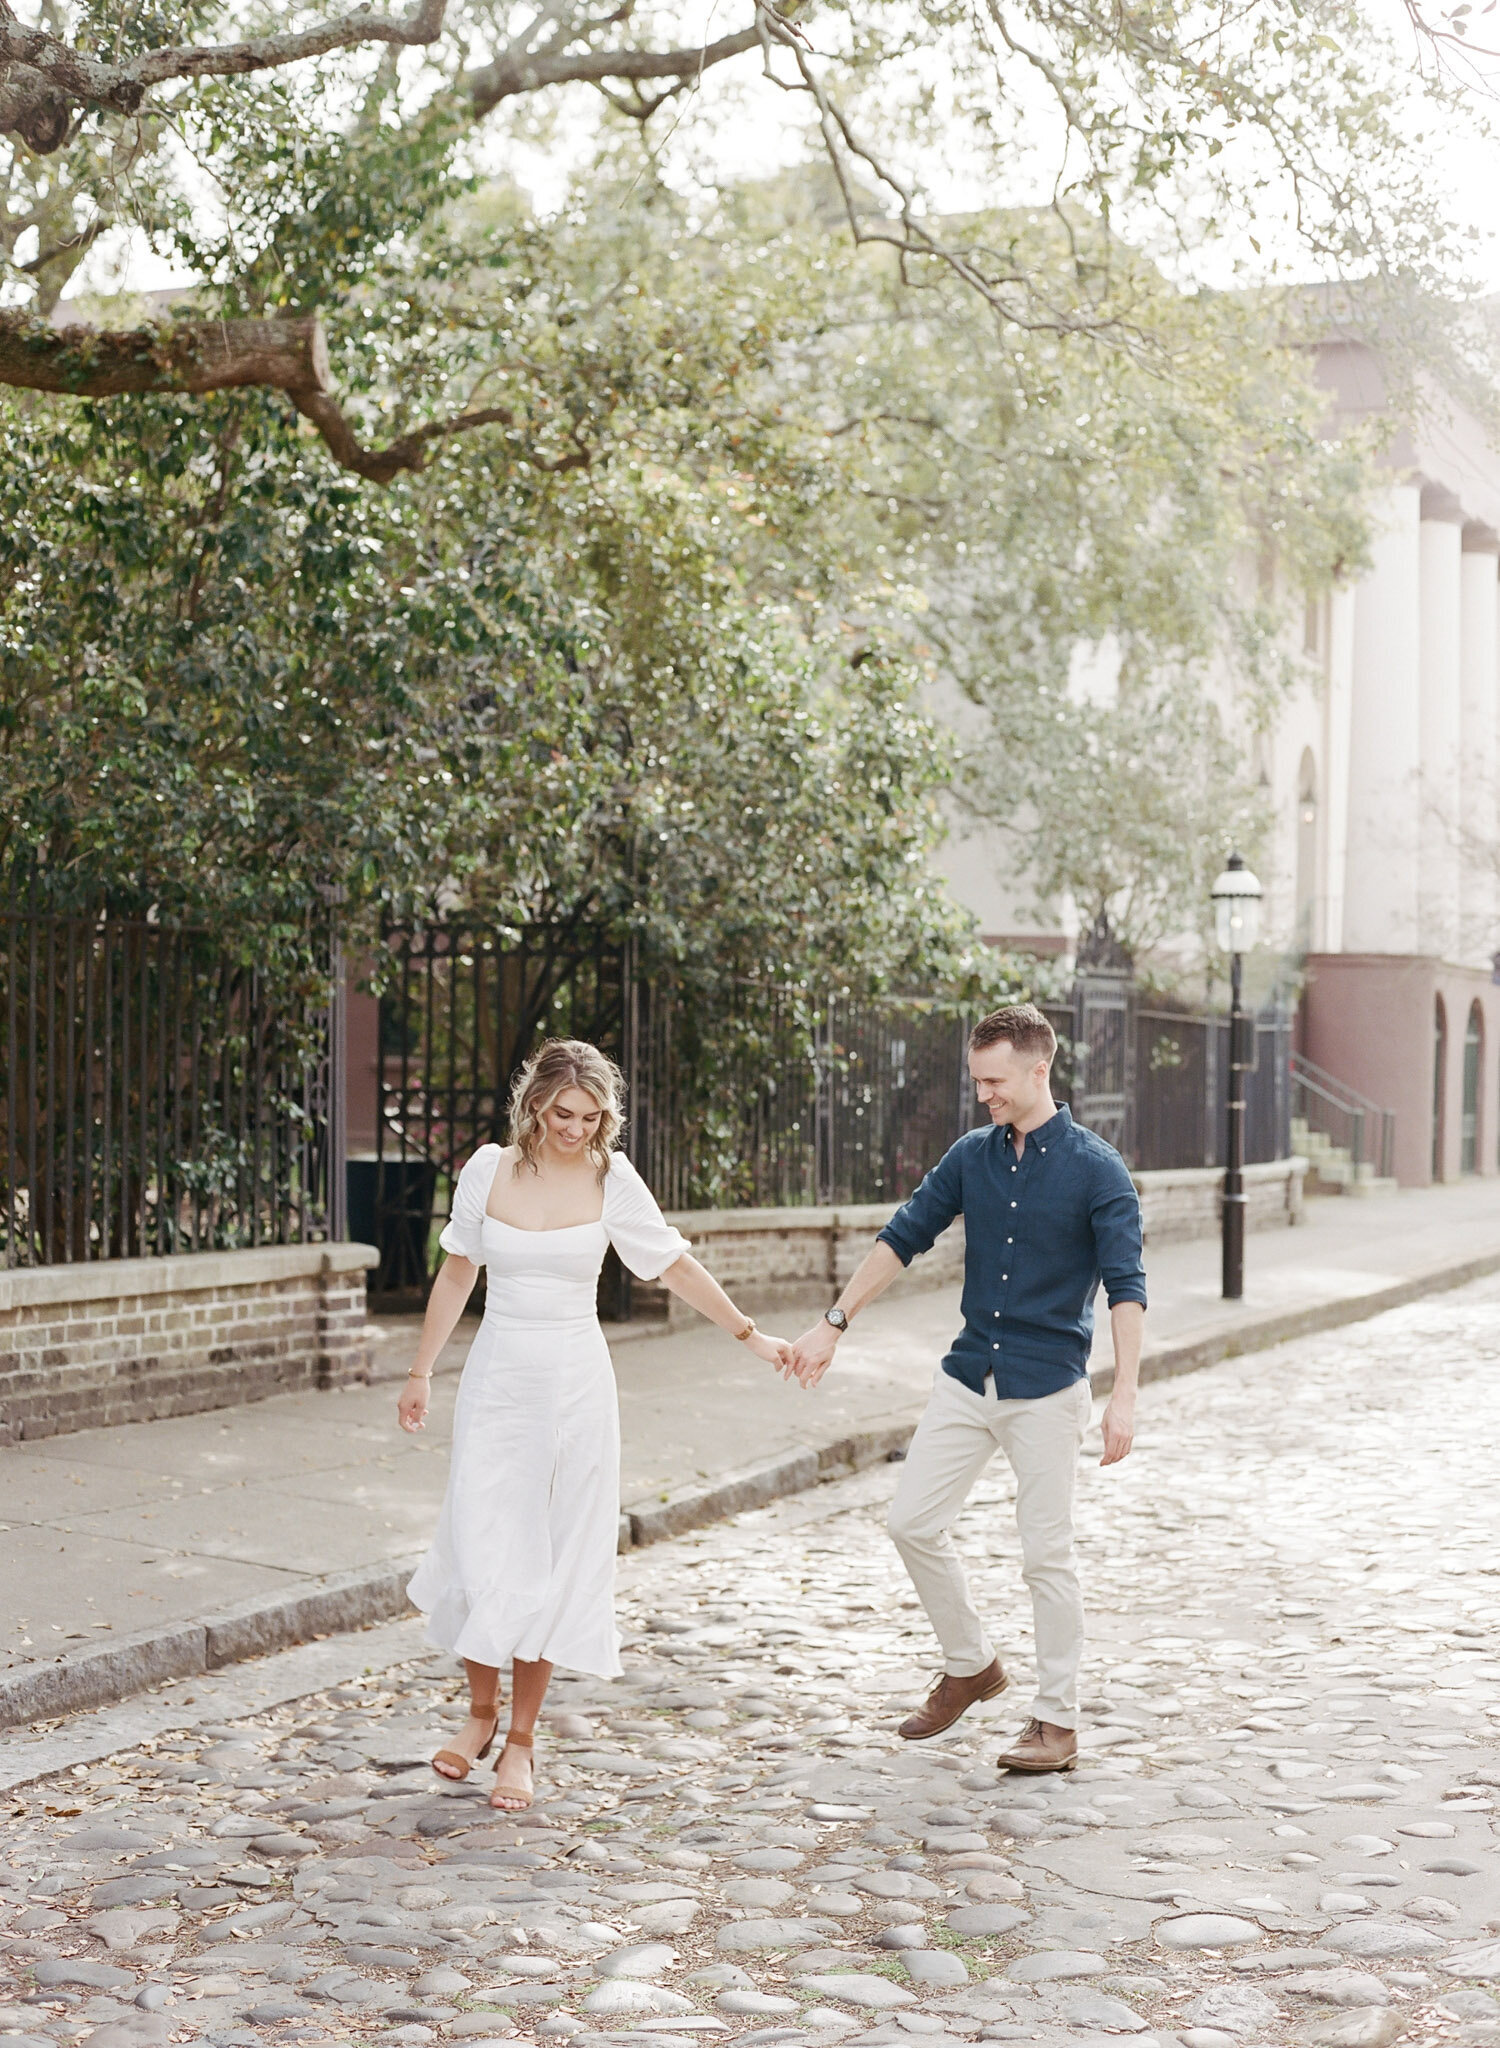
(1383, 776)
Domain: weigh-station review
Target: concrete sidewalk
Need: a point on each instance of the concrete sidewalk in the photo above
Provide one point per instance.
(151, 1550)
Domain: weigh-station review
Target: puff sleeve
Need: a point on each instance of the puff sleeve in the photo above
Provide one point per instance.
(642, 1236)
(463, 1233)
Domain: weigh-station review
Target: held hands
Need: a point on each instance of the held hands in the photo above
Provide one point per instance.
(411, 1409)
(812, 1354)
(1117, 1427)
(774, 1350)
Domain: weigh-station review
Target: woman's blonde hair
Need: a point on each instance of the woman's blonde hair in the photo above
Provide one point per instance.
(559, 1064)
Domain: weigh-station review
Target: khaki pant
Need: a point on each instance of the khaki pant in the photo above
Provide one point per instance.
(956, 1438)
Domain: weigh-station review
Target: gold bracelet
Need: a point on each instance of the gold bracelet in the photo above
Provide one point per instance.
(744, 1336)
(415, 1375)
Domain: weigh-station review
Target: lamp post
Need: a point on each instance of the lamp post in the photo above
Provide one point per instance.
(1236, 901)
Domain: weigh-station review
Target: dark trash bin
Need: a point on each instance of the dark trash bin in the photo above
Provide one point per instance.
(390, 1207)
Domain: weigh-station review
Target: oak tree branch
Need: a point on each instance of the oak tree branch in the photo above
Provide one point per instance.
(194, 356)
(529, 71)
(43, 79)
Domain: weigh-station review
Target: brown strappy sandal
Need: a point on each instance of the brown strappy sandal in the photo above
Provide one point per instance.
(517, 1802)
(461, 1764)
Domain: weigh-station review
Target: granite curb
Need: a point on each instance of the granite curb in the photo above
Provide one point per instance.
(356, 1599)
(689, 1507)
(252, 1628)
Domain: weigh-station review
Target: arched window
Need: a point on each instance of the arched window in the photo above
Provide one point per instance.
(1473, 1069)
(1307, 848)
(1439, 1084)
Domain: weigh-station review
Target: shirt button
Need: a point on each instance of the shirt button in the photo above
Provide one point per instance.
(1013, 1205)
(994, 1347)
(1005, 1276)
(1010, 1240)
(997, 1315)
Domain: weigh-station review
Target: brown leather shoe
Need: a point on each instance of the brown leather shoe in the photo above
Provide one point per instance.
(1042, 1747)
(950, 1698)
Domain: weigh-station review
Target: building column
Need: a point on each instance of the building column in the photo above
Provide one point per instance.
(1441, 736)
(1489, 1099)
(1381, 865)
(1328, 933)
(1479, 637)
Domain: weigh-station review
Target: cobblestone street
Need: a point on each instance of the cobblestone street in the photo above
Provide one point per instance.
(1283, 1829)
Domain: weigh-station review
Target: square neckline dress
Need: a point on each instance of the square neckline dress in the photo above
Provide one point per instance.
(523, 1560)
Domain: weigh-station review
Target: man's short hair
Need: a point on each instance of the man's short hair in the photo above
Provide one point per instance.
(1023, 1025)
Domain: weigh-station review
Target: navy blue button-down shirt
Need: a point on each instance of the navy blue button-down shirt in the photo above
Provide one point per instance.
(1042, 1231)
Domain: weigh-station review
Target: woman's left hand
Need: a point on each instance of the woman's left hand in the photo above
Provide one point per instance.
(774, 1350)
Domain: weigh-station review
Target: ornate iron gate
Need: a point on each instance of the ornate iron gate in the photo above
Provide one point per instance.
(461, 1007)
(1103, 1052)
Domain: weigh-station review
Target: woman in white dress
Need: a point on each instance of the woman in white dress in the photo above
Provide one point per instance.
(522, 1569)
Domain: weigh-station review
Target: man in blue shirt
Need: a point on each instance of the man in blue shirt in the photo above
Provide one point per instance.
(1049, 1211)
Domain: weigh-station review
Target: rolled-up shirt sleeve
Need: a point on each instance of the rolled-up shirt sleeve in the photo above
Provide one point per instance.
(1115, 1213)
(922, 1219)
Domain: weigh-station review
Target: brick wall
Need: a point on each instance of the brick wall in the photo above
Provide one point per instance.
(756, 1254)
(128, 1339)
(1184, 1202)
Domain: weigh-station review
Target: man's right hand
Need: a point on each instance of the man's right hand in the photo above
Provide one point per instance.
(812, 1354)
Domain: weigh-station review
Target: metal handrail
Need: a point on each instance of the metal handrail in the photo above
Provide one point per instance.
(1354, 1139)
(1330, 1086)
(1323, 1087)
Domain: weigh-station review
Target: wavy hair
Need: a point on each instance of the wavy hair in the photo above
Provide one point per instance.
(559, 1064)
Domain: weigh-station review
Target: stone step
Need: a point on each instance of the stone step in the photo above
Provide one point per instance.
(1312, 1145)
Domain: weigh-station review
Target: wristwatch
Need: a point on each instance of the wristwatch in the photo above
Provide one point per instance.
(838, 1319)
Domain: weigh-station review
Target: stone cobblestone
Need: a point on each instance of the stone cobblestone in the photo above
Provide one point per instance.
(1283, 1829)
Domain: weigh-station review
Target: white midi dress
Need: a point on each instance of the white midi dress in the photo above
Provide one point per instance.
(523, 1562)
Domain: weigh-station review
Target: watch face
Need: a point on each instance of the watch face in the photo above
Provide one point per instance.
(837, 1317)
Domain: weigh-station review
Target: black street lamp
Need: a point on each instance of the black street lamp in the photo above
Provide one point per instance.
(1236, 901)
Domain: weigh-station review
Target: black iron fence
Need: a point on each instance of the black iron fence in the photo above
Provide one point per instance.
(753, 1095)
(758, 1096)
(1181, 1085)
(154, 1097)
(768, 1097)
